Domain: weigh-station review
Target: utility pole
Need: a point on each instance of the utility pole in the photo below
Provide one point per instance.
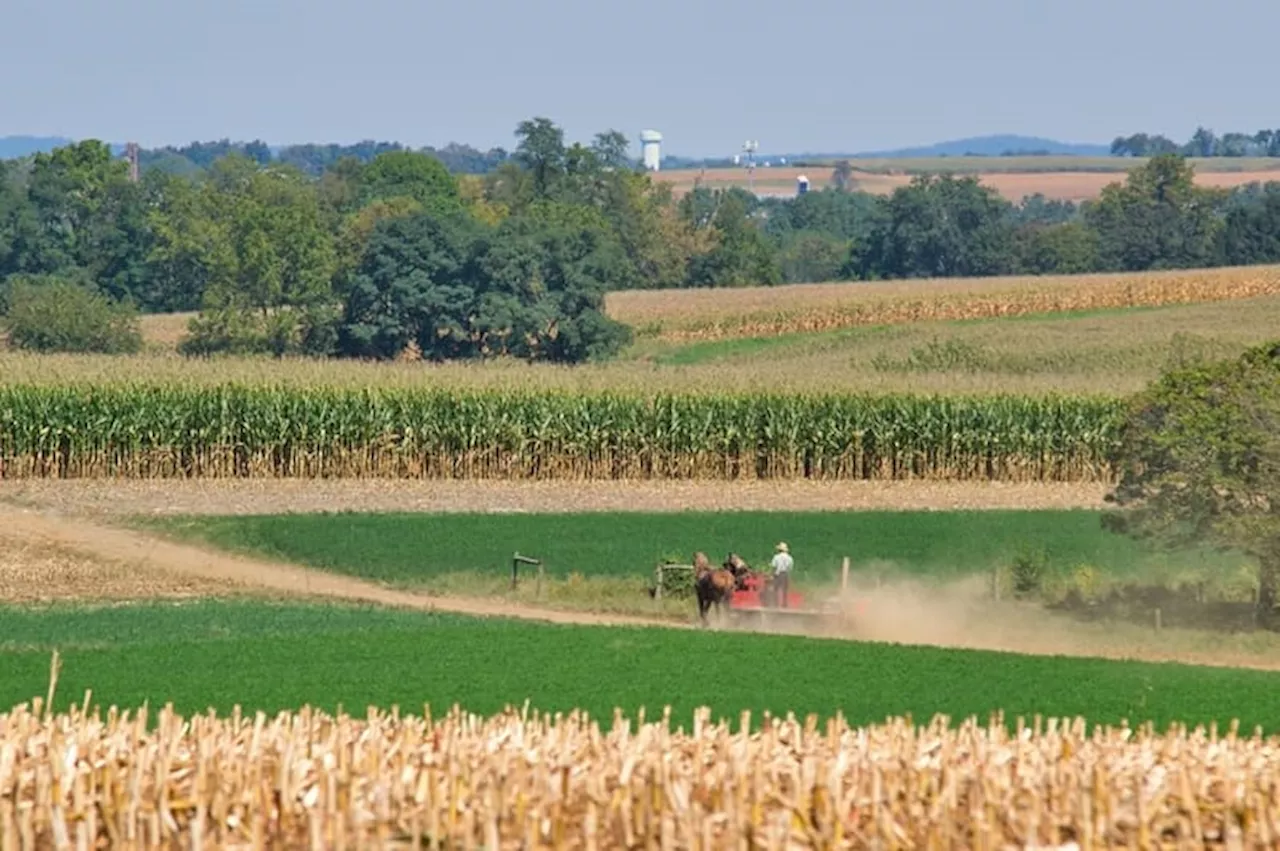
(131, 153)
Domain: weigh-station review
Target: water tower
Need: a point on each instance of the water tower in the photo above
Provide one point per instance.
(651, 148)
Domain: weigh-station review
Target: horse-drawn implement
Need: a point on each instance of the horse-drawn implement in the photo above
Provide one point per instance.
(747, 597)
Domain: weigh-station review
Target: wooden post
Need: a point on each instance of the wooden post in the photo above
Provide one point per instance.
(844, 576)
(1158, 623)
(516, 561)
(538, 591)
(657, 593)
(995, 584)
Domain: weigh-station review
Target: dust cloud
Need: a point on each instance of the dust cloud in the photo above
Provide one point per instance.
(964, 614)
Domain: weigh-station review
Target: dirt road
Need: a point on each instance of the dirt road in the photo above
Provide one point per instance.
(233, 571)
(106, 498)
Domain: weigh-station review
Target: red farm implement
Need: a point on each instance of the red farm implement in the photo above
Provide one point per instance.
(753, 602)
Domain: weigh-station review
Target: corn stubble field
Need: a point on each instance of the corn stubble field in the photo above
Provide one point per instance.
(520, 780)
(697, 315)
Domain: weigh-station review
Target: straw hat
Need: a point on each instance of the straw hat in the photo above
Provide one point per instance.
(782, 547)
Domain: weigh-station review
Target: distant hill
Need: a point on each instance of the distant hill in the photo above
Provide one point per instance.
(12, 147)
(995, 146)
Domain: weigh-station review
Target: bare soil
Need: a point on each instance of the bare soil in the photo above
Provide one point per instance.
(111, 498)
(1072, 186)
(188, 563)
(40, 568)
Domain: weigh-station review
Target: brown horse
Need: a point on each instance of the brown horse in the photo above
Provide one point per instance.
(738, 566)
(714, 587)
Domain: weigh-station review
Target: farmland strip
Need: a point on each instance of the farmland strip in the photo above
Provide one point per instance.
(152, 431)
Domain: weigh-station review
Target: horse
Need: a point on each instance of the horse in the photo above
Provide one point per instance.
(741, 571)
(713, 586)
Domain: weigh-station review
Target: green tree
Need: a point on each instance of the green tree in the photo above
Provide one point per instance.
(739, 255)
(191, 250)
(275, 262)
(1157, 219)
(939, 226)
(542, 282)
(809, 256)
(46, 314)
(1199, 461)
(611, 150)
(406, 174)
(1251, 229)
(533, 288)
(11, 202)
(541, 150)
(1056, 249)
(88, 215)
(842, 179)
(413, 285)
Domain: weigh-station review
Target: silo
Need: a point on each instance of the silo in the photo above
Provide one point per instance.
(651, 148)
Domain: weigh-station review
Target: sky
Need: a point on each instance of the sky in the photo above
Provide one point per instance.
(801, 76)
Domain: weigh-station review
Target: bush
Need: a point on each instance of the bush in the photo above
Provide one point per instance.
(286, 331)
(1030, 569)
(55, 315)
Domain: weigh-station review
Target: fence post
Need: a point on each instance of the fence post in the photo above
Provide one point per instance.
(538, 591)
(995, 583)
(516, 561)
(844, 576)
(657, 593)
(1158, 620)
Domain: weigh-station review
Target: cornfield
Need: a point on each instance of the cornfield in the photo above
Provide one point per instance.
(525, 780)
(695, 315)
(232, 431)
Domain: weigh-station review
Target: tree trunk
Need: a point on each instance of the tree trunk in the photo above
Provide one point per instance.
(1268, 586)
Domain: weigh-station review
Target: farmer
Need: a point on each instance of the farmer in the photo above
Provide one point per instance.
(781, 564)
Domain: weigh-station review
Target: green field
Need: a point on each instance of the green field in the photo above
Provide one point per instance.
(417, 548)
(175, 430)
(275, 656)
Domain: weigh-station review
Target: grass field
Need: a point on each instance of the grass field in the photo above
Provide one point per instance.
(270, 656)
(415, 549)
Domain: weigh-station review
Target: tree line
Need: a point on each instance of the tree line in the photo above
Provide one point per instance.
(310, 159)
(1203, 143)
(398, 254)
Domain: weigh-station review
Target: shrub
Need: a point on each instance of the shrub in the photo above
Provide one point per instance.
(55, 315)
(285, 331)
(1030, 569)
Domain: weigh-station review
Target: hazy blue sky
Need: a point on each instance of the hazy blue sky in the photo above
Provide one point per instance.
(801, 75)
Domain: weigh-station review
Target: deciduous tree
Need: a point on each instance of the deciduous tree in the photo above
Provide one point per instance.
(1199, 459)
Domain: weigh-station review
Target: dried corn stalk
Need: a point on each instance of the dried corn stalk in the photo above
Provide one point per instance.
(522, 780)
(696, 315)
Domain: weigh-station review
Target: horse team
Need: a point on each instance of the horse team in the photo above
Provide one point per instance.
(715, 586)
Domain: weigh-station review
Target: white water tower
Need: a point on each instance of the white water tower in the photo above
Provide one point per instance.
(651, 148)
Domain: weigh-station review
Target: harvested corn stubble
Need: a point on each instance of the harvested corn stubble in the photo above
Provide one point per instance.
(524, 780)
(707, 314)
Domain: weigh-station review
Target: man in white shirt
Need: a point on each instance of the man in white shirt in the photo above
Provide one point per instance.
(781, 564)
